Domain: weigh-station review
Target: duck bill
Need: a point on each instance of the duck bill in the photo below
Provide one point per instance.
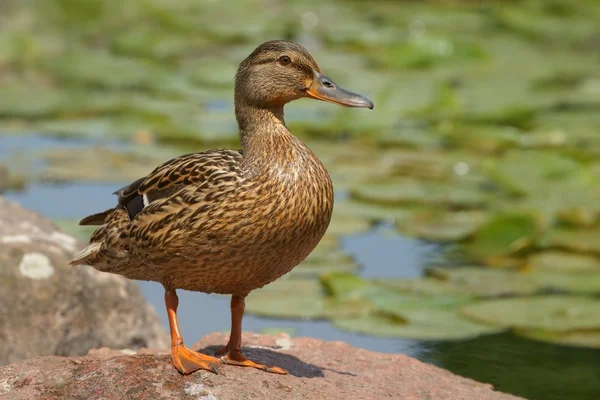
(325, 89)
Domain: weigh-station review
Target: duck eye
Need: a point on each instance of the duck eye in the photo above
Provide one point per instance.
(285, 60)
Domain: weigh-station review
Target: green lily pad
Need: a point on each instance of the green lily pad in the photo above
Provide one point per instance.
(393, 193)
(503, 235)
(414, 192)
(30, 102)
(99, 164)
(289, 298)
(347, 225)
(100, 68)
(328, 242)
(552, 186)
(431, 165)
(344, 286)
(486, 282)
(325, 261)
(582, 283)
(523, 172)
(560, 261)
(552, 313)
(425, 51)
(372, 212)
(395, 302)
(589, 338)
(443, 226)
(421, 324)
(581, 240)
(388, 312)
(422, 286)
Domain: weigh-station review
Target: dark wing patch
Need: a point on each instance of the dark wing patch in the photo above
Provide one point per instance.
(174, 174)
(129, 192)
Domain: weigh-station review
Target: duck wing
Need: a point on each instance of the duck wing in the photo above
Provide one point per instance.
(170, 177)
(201, 172)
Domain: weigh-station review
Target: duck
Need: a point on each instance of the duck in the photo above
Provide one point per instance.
(228, 221)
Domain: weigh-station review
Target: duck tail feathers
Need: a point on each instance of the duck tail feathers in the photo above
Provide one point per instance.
(84, 255)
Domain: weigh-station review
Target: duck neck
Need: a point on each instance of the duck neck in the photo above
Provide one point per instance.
(263, 133)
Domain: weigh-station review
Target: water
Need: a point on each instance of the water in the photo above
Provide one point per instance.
(514, 365)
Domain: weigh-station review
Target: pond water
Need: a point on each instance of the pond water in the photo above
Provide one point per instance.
(512, 364)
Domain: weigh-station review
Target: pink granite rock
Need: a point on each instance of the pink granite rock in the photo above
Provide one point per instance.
(317, 370)
(50, 308)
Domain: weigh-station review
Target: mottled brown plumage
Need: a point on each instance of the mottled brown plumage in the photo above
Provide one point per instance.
(226, 221)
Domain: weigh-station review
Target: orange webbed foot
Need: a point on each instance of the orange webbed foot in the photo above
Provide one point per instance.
(236, 357)
(187, 361)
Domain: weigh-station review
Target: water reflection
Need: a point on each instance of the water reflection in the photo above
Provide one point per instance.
(523, 367)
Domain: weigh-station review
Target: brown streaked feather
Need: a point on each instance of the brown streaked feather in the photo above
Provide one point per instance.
(178, 172)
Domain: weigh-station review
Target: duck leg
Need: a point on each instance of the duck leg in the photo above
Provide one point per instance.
(185, 360)
(232, 352)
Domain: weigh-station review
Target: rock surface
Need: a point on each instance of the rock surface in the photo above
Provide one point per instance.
(317, 370)
(50, 308)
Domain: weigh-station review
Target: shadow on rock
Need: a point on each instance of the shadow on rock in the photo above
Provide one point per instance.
(293, 365)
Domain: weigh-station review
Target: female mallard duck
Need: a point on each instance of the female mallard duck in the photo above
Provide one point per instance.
(227, 221)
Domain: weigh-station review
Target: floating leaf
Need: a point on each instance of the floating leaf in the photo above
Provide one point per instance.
(410, 191)
(560, 261)
(443, 226)
(101, 69)
(589, 338)
(584, 283)
(522, 172)
(583, 240)
(479, 281)
(425, 51)
(289, 298)
(422, 286)
(345, 286)
(325, 261)
(396, 302)
(549, 184)
(30, 102)
(420, 324)
(552, 313)
(375, 213)
(502, 235)
(347, 225)
(398, 314)
(99, 164)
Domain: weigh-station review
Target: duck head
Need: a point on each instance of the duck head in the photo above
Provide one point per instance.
(277, 72)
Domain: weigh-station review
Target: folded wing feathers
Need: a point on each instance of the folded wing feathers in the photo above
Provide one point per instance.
(89, 250)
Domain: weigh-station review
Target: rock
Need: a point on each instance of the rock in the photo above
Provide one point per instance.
(50, 308)
(317, 370)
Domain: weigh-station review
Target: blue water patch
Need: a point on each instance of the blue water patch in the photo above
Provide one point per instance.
(67, 201)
